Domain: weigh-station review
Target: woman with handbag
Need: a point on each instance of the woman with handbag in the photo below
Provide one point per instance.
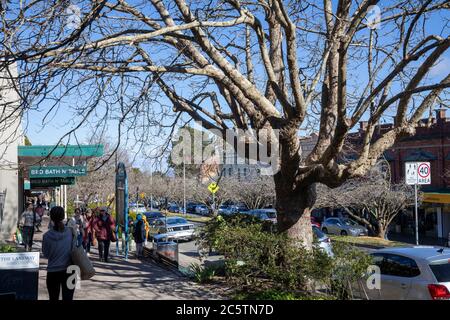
(57, 248)
(104, 228)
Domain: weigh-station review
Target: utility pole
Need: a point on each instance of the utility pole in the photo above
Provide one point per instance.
(184, 187)
(151, 188)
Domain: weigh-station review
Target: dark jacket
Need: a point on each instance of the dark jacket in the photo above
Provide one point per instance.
(139, 232)
(56, 247)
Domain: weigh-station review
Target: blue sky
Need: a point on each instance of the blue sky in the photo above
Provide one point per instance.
(64, 120)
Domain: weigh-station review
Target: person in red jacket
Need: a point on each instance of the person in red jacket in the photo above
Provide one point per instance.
(104, 227)
(88, 238)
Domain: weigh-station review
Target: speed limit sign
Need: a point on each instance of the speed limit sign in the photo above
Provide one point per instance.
(418, 173)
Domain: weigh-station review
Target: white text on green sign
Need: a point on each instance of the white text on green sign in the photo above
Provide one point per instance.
(53, 171)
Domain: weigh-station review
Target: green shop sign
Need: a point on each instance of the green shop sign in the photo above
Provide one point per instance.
(51, 182)
(57, 172)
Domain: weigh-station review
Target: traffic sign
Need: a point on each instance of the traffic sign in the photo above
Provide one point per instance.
(417, 173)
(213, 187)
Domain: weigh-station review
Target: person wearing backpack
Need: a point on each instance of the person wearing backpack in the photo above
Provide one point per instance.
(139, 235)
(57, 247)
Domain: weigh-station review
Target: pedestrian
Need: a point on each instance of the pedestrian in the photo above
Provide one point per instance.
(27, 223)
(78, 224)
(104, 228)
(88, 238)
(147, 228)
(139, 235)
(57, 246)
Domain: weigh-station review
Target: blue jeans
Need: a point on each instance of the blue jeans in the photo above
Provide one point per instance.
(79, 240)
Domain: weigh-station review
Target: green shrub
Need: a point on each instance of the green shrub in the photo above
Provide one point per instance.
(202, 274)
(6, 248)
(254, 256)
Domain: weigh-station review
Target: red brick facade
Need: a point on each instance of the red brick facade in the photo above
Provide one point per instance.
(430, 143)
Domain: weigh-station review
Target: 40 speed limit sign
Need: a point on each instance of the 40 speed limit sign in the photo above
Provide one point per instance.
(418, 173)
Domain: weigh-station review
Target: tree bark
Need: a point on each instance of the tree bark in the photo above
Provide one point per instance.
(294, 212)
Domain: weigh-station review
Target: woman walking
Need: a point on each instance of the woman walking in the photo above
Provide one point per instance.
(88, 231)
(56, 247)
(27, 223)
(104, 228)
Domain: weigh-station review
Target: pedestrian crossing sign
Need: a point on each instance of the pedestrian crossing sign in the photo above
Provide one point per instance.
(213, 187)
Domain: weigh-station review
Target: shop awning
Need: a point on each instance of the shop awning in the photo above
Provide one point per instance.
(436, 197)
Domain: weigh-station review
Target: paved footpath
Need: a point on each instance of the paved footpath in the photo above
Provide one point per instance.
(132, 279)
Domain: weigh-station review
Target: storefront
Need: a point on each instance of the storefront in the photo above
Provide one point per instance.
(434, 218)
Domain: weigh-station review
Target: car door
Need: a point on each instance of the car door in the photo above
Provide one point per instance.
(332, 226)
(397, 273)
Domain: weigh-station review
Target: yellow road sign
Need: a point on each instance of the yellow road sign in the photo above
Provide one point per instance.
(213, 187)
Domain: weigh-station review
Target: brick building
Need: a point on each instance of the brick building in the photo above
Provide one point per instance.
(431, 143)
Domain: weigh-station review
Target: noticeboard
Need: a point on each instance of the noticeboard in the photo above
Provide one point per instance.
(19, 275)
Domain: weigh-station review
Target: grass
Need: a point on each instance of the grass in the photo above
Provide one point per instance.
(189, 217)
(370, 241)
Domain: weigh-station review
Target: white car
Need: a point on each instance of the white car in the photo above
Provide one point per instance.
(411, 273)
(140, 208)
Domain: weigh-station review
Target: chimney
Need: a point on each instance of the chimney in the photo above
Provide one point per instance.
(440, 114)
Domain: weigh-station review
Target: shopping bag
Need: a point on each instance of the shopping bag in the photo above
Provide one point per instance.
(19, 237)
(80, 259)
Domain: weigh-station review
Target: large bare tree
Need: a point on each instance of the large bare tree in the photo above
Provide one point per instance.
(255, 64)
(372, 200)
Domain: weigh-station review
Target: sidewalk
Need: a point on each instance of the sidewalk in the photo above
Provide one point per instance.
(129, 280)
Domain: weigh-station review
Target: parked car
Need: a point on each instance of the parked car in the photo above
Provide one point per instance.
(265, 214)
(201, 209)
(343, 227)
(315, 222)
(240, 208)
(174, 208)
(190, 207)
(225, 210)
(412, 273)
(175, 228)
(322, 240)
(137, 208)
(153, 215)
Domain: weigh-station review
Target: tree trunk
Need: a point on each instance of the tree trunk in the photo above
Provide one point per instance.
(294, 212)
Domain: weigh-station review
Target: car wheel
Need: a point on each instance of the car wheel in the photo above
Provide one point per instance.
(325, 230)
(343, 233)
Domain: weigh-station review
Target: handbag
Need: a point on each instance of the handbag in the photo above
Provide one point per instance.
(80, 259)
(113, 237)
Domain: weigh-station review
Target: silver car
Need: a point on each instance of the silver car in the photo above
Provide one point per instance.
(412, 273)
(265, 214)
(175, 228)
(343, 227)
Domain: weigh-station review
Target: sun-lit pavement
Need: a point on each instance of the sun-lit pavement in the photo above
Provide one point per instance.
(131, 279)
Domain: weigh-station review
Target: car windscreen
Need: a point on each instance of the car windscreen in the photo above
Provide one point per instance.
(176, 221)
(349, 222)
(263, 216)
(153, 215)
(441, 271)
